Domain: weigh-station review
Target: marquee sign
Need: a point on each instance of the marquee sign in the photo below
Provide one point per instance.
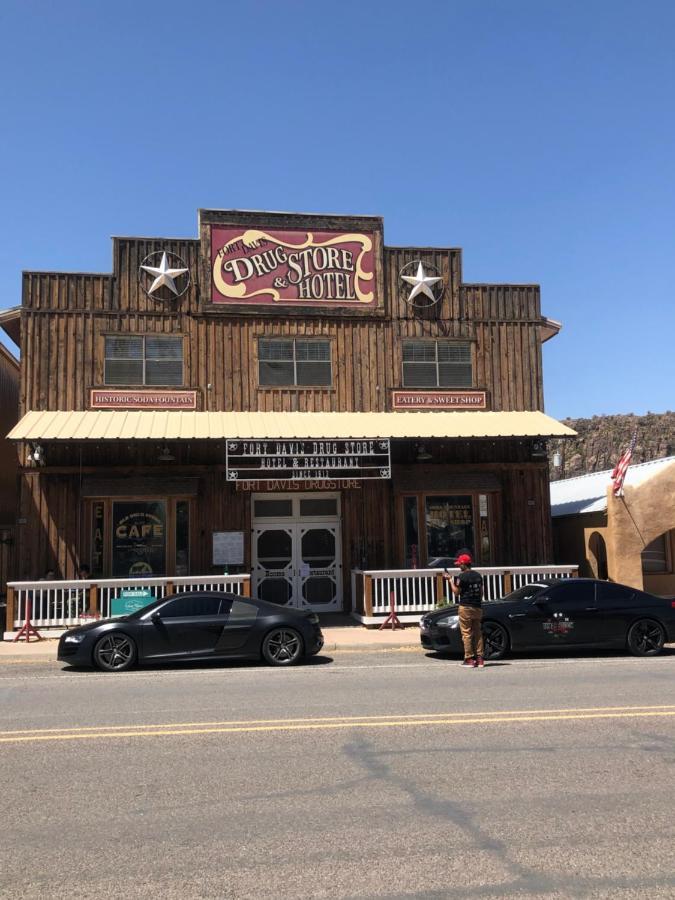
(308, 460)
(291, 266)
(439, 400)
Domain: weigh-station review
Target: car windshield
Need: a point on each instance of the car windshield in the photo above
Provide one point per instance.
(526, 592)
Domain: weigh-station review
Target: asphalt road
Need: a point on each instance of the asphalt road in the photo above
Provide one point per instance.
(389, 774)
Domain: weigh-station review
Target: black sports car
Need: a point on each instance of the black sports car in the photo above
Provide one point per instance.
(561, 613)
(196, 625)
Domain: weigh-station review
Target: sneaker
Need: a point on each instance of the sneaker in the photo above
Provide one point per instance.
(480, 662)
(470, 663)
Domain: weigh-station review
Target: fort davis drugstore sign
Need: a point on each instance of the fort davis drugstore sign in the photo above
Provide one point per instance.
(295, 267)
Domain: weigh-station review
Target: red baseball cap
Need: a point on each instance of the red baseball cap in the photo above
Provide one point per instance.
(463, 560)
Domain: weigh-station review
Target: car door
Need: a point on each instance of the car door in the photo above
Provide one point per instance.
(185, 625)
(617, 606)
(238, 627)
(569, 614)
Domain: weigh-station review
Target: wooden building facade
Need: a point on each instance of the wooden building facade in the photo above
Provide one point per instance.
(280, 340)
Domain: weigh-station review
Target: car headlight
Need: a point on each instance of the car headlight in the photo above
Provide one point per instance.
(75, 638)
(314, 619)
(448, 621)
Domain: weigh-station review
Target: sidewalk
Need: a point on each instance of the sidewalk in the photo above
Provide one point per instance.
(336, 637)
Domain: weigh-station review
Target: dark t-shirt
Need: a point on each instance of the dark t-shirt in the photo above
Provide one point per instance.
(470, 588)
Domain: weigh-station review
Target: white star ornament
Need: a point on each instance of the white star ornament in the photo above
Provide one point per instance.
(164, 276)
(421, 283)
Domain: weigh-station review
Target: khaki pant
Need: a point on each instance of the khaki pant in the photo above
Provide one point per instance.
(469, 624)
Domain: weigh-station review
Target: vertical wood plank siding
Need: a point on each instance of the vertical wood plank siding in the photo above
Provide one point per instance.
(65, 318)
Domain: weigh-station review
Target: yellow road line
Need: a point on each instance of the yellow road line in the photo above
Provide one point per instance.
(319, 725)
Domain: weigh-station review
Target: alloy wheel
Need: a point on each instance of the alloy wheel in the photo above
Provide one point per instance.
(495, 639)
(282, 647)
(114, 652)
(645, 638)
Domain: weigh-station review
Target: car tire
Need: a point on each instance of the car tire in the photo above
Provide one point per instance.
(115, 652)
(495, 640)
(645, 638)
(282, 647)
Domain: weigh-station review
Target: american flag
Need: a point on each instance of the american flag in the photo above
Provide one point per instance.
(620, 469)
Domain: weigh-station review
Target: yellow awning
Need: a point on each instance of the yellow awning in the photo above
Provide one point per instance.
(175, 425)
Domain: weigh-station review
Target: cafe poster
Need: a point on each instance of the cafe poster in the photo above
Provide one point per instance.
(297, 267)
(139, 538)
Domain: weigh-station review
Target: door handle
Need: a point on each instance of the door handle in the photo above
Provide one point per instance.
(516, 615)
(591, 609)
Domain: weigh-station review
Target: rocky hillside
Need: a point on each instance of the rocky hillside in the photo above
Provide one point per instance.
(603, 439)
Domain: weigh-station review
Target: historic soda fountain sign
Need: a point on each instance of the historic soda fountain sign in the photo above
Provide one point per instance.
(308, 460)
(292, 267)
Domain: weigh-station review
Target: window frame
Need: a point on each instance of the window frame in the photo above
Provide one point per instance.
(438, 386)
(143, 336)
(293, 340)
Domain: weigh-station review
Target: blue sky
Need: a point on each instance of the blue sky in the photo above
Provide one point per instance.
(538, 136)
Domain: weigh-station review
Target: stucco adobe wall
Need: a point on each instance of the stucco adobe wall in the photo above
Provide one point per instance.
(634, 520)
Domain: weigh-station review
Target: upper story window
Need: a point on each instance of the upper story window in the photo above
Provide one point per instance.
(294, 361)
(435, 364)
(143, 359)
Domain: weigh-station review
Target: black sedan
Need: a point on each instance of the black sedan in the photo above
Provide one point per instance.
(195, 626)
(561, 614)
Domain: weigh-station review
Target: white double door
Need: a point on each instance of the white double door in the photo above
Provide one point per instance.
(297, 558)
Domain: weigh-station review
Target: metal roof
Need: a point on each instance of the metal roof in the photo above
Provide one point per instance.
(588, 493)
(103, 425)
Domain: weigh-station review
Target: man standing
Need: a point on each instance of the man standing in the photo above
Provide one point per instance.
(468, 586)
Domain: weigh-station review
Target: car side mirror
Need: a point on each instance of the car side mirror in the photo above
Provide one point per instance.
(155, 617)
(541, 602)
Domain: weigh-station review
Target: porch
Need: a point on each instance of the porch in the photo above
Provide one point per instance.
(65, 604)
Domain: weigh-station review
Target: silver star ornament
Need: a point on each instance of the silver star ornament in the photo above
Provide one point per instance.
(421, 283)
(164, 276)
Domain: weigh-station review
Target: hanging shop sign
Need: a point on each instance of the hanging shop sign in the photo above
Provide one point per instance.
(295, 267)
(116, 399)
(439, 400)
(308, 460)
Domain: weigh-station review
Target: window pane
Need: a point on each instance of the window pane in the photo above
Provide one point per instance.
(272, 350)
(194, 605)
(275, 373)
(312, 350)
(572, 594)
(124, 347)
(326, 506)
(454, 375)
(615, 595)
(449, 522)
(314, 373)
(164, 371)
(268, 509)
(138, 538)
(157, 347)
(412, 541)
(123, 371)
(654, 557)
(182, 537)
(448, 351)
(419, 375)
(419, 351)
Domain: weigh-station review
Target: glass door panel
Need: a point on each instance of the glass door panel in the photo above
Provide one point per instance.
(273, 568)
(319, 565)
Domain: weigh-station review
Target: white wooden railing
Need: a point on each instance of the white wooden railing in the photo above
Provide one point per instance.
(420, 590)
(61, 604)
